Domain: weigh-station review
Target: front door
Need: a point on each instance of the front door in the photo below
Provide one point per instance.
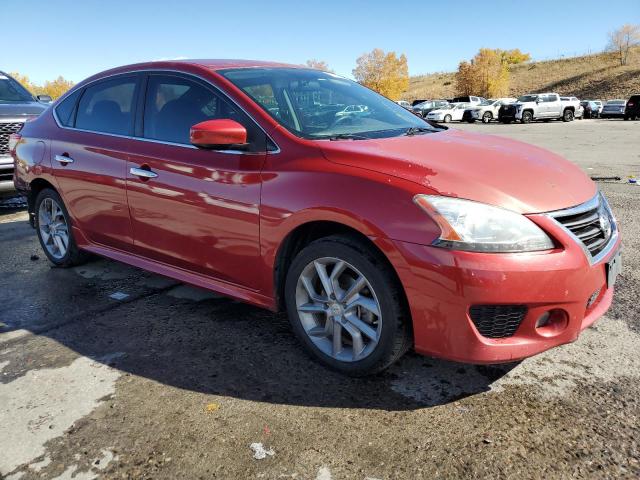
(195, 209)
(89, 159)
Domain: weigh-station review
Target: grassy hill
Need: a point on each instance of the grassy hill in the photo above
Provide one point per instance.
(595, 76)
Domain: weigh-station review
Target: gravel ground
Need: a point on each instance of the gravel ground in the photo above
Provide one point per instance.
(174, 382)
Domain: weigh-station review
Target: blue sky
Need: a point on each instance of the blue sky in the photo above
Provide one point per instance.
(76, 38)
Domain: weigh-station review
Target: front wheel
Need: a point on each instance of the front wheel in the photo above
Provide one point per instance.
(527, 117)
(346, 307)
(487, 117)
(53, 226)
(447, 118)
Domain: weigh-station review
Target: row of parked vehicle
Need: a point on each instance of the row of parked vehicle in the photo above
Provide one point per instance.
(525, 109)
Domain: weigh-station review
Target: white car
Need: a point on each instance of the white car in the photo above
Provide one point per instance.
(487, 110)
(453, 111)
(404, 103)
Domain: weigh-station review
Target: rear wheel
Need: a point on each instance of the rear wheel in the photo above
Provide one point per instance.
(487, 117)
(346, 307)
(53, 226)
(567, 116)
(447, 118)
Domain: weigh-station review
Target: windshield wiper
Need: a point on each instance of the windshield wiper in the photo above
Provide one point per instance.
(415, 130)
(346, 136)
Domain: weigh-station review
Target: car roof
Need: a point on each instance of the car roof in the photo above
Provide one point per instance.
(209, 64)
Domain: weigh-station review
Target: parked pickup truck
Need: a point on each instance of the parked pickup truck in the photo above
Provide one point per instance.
(539, 106)
(17, 105)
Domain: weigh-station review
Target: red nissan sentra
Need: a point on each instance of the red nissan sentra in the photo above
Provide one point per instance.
(291, 188)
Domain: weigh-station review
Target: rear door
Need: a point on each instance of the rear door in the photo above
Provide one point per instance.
(200, 210)
(89, 158)
(554, 106)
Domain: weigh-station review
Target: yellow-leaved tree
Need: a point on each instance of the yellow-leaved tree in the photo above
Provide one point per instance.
(54, 88)
(386, 73)
(319, 65)
(488, 73)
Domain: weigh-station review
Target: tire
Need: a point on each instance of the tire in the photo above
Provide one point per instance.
(567, 116)
(527, 117)
(391, 327)
(48, 201)
(447, 118)
(487, 117)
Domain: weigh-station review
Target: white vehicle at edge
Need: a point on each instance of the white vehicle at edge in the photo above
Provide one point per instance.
(453, 111)
(487, 110)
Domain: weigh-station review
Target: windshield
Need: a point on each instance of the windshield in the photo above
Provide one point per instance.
(487, 102)
(12, 92)
(528, 98)
(313, 104)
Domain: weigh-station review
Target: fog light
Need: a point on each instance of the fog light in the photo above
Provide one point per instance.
(543, 320)
(552, 323)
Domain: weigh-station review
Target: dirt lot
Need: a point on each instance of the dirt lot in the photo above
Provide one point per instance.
(167, 381)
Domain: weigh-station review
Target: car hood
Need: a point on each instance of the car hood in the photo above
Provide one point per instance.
(21, 109)
(484, 168)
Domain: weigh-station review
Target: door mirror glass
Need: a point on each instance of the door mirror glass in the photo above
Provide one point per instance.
(221, 133)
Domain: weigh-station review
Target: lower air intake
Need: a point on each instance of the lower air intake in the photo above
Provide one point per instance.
(497, 321)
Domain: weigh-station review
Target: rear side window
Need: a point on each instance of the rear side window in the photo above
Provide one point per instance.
(65, 111)
(108, 107)
(174, 104)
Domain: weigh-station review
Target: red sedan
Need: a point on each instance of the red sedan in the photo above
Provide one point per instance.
(296, 189)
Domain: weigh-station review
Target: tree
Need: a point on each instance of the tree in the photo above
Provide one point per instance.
(386, 73)
(57, 87)
(319, 65)
(23, 80)
(488, 73)
(54, 89)
(622, 40)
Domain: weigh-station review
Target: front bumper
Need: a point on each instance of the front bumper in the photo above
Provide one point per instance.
(7, 187)
(442, 286)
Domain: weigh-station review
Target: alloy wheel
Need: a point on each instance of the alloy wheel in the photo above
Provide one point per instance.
(53, 228)
(338, 309)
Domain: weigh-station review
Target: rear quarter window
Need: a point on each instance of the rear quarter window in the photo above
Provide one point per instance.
(65, 111)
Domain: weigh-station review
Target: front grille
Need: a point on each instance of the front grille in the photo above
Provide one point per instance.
(497, 321)
(507, 111)
(593, 226)
(6, 174)
(7, 129)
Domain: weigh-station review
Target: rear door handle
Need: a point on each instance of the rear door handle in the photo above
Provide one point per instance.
(63, 159)
(142, 173)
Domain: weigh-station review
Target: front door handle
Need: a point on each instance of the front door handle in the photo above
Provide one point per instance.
(63, 159)
(142, 172)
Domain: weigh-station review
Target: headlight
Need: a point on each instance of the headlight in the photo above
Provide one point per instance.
(473, 226)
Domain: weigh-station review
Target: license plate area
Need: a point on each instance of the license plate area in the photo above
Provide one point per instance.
(613, 268)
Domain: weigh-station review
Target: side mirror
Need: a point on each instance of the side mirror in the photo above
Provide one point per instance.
(44, 98)
(220, 134)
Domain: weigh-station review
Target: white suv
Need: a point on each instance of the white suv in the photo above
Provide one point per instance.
(487, 110)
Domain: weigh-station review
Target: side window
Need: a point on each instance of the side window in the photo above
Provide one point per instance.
(174, 104)
(65, 111)
(108, 107)
(552, 98)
